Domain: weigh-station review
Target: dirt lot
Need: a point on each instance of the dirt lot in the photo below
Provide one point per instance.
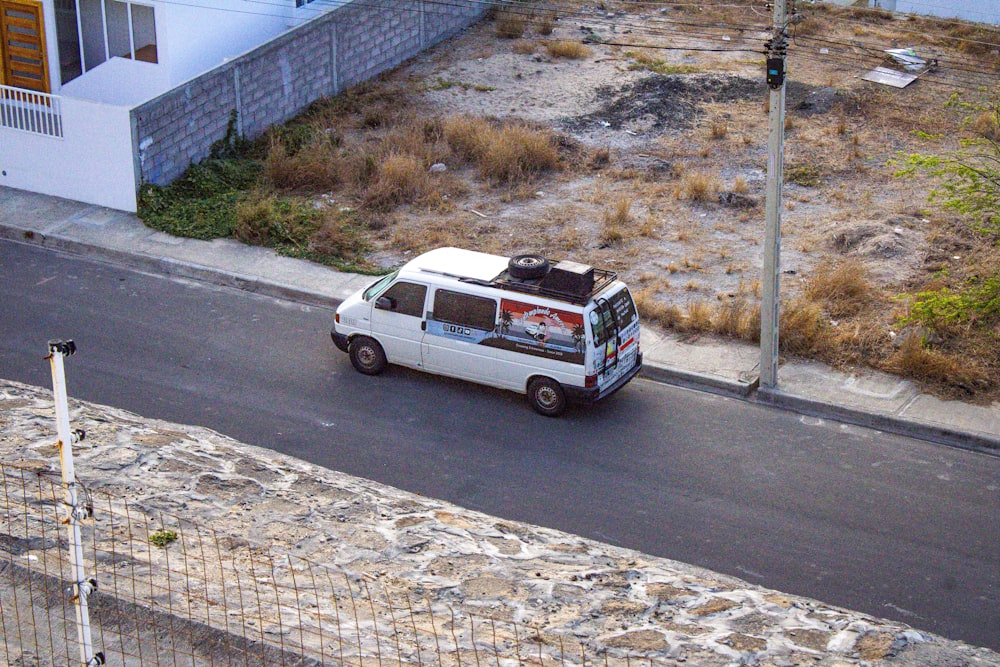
(671, 135)
(634, 138)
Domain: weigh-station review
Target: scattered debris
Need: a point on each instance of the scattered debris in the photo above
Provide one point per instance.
(913, 67)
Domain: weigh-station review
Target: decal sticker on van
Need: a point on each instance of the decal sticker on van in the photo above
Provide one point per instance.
(540, 331)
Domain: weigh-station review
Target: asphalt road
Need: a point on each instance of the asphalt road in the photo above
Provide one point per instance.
(886, 525)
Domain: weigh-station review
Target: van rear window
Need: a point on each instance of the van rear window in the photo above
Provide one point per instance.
(466, 310)
(613, 315)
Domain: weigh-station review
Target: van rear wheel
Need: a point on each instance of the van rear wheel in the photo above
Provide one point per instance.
(547, 397)
(367, 356)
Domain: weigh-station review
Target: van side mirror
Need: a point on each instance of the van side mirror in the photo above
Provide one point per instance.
(384, 303)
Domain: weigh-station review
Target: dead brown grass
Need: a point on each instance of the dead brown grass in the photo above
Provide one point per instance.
(698, 186)
(313, 167)
(841, 288)
(510, 24)
(564, 48)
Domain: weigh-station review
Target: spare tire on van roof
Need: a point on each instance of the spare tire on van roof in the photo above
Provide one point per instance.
(527, 267)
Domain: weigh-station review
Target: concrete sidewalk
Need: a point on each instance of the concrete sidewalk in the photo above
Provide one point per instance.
(871, 399)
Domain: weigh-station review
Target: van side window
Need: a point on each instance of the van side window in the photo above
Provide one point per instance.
(465, 310)
(407, 298)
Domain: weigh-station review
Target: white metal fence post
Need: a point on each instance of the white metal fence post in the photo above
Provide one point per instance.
(82, 587)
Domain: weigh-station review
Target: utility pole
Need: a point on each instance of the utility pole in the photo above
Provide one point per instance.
(769, 308)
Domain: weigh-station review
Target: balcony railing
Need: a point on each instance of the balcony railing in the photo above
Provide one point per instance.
(29, 111)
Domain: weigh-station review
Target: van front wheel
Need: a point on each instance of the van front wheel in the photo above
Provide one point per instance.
(367, 356)
(547, 397)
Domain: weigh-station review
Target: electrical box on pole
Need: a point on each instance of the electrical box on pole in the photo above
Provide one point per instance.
(771, 273)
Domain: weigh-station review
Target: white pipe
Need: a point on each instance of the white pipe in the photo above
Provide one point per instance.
(57, 350)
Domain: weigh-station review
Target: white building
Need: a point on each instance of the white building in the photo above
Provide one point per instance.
(95, 93)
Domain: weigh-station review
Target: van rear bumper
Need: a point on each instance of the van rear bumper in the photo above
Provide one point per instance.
(594, 394)
(340, 340)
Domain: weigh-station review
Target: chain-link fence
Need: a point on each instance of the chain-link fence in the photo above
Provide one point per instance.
(170, 592)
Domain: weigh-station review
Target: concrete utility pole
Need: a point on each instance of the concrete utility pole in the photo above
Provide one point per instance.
(771, 276)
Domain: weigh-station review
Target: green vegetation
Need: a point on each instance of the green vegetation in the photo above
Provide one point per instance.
(960, 307)
(645, 62)
(806, 175)
(319, 186)
(162, 538)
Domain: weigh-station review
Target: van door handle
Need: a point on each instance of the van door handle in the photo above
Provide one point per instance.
(423, 325)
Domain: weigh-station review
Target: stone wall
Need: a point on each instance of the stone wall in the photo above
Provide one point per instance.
(578, 597)
(274, 82)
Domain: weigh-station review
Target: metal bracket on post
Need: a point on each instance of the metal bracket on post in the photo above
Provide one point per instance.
(83, 586)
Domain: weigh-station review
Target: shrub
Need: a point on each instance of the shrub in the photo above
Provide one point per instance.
(276, 222)
(313, 166)
(698, 186)
(162, 538)
(803, 330)
(842, 288)
(201, 204)
(510, 24)
(565, 48)
(805, 175)
(399, 179)
(517, 153)
(914, 360)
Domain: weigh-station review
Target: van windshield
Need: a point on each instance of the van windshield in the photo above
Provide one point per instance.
(378, 286)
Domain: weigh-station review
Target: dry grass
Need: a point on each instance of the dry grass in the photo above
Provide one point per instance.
(546, 22)
(523, 47)
(518, 153)
(313, 167)
(698, 186)
(803, 330)
(399, 179)
(842, 288)
(914, 360)
(564, 48)
(370, 150)
(510, 24)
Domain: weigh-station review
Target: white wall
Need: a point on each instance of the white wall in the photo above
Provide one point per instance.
(119, 81)
(193, 40)
(92, 164)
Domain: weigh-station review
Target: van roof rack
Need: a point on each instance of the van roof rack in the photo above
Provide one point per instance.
(556, 285)
(565, 281)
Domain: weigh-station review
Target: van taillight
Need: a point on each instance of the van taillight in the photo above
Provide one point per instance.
(336, 318)
(590, 381)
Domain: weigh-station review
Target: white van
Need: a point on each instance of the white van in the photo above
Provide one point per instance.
(556, 331)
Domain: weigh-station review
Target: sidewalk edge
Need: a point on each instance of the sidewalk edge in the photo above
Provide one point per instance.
(656, 372)
(937, 433)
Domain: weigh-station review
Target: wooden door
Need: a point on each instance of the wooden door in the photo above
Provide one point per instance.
(22, 45)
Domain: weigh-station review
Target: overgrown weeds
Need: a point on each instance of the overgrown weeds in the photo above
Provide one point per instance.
(841, 318)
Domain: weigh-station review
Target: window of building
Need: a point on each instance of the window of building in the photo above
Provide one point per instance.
(91, 31)
(474, 312)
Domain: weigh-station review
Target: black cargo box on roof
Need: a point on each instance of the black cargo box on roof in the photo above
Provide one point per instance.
(566, 281)
(571, 277)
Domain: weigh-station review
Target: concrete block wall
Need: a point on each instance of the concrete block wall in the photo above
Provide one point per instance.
(272, 83)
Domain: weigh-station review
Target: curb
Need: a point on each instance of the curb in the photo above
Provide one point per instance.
(167, 266)
(749, 391)
(657, 373)
(937, 433)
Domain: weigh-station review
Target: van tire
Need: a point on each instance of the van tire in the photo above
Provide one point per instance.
(547, 397)
(367, 356)
(527, 267)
